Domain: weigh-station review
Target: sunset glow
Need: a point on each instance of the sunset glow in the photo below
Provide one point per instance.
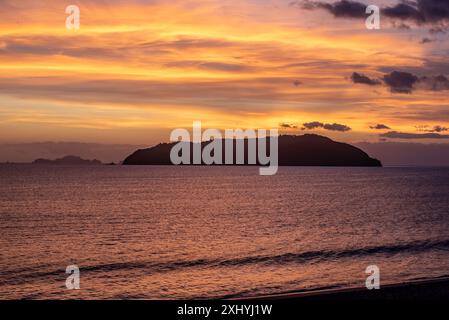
(137, 69)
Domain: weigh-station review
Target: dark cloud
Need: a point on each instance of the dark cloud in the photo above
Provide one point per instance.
(407, 82)
(342, 8)
(326, 126)
(400, 82)
(312, 125)
(404, 135)
(439, 129)
(437, 83)
(403, 11)
(288, 126)
(336, 127)
(435, 12)
(420, 11)
(404, 81)
(380, 127)
(361, 78)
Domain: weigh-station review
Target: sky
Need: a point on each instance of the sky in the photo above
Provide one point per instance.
(137, 69)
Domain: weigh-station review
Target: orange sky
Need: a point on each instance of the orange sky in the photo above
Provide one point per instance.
(137, 69)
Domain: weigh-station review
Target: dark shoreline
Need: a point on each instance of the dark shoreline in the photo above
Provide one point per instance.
(427, 289)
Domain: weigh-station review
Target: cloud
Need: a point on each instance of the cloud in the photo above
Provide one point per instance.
(436, 83)
(362, 79)
(336, 127)
(255, 93)
(403, 11)
(422, 112)
(405, 82)
(438, 128)
(434, 12)
(420, 11)
(400, 82)
(404, 135)
(209, 65)
(55, 46)
(342, 8)
(380, 127)
(326, 126)
(288, 126)
(312, 125)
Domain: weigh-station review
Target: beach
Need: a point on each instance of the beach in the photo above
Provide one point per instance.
(429, 289)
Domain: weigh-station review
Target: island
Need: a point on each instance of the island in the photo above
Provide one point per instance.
(68, 160)
(294, 150)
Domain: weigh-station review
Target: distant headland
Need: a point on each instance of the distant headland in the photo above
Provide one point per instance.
(68, 160)
(302, 150)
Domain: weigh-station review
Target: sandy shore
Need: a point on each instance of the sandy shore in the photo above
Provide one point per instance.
(435, 289)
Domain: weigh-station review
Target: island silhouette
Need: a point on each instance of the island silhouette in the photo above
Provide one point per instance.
(68, 160)
(294, 150)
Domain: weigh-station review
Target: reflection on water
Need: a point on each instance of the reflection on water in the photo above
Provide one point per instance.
(203, 232)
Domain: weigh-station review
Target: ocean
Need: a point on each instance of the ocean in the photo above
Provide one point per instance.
(217, 232)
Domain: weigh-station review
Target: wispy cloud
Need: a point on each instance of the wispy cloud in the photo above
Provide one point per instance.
(404, 135)
(160, 64)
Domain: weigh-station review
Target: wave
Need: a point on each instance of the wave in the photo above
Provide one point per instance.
(18, 276)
